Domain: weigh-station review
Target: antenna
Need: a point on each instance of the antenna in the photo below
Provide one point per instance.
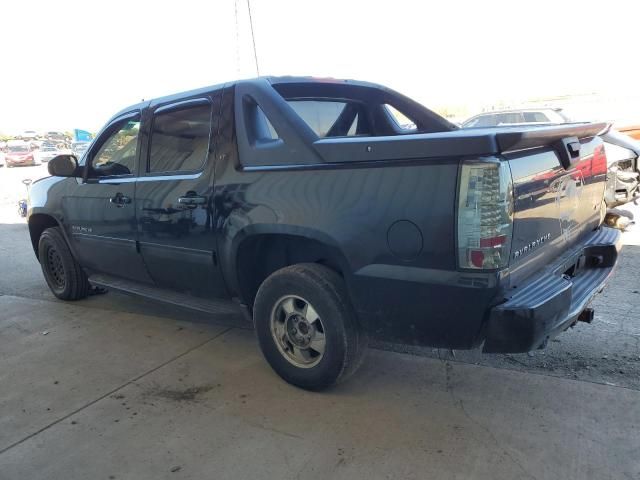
(253, 38)
(235, 10)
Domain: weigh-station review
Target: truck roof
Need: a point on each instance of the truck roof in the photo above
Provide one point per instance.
(273, 80)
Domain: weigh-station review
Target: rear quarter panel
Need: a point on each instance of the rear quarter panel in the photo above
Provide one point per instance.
(417, 299)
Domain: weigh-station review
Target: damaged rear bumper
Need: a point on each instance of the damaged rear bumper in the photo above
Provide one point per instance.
(553, 301)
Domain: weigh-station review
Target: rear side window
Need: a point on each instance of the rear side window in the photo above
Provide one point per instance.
(322, 115)
(180, 139)
(536, 117)
(401, 120)
(259, 126)
(509, 118)
(486, 121)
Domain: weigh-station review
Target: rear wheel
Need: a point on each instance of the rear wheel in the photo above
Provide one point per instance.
(307, 329)
(63, 273)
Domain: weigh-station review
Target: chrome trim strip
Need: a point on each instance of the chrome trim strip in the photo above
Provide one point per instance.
(390, 162)
(102, 237)
(172, 247)
(155, 178)
(268, 168)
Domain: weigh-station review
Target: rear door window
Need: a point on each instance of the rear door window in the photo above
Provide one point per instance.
(180, 139)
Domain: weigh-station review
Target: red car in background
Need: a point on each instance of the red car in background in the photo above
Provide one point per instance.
(18, 155)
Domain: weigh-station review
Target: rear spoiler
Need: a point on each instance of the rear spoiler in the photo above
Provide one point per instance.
(464, 142)
(539, 136)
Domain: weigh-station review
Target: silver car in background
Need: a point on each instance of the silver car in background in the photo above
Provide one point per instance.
(623, 176)
(623, 152)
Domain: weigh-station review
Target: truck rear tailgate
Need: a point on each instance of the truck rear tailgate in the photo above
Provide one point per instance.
(555, 205)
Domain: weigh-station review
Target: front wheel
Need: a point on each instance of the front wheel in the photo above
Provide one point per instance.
(306, 326)
(63, 273)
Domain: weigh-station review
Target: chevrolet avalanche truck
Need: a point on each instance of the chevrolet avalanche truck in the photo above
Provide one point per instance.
(331, 212)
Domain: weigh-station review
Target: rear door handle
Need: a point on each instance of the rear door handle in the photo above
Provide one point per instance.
(120, 200)
(192, 200)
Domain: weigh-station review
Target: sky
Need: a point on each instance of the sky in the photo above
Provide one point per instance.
(71, 64)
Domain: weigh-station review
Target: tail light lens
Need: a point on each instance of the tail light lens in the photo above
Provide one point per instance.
(485, 214)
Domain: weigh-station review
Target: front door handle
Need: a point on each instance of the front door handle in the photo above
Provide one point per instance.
(192, 200)
(120, 200)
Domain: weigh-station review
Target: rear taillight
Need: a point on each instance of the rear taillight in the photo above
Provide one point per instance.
(485, 214)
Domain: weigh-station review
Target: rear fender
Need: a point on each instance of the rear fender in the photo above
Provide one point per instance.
(322, 245)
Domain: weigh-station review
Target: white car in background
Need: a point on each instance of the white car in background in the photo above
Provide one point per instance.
(28, 135)
(78, 148)
(516, 117)
(47, 152)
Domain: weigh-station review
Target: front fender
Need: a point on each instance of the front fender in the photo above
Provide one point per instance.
(45, 202)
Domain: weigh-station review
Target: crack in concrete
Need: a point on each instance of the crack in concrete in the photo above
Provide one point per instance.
(120, 387)
(502, 450)
(273, 430)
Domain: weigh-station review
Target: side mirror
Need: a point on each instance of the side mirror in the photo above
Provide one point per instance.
(63, 166)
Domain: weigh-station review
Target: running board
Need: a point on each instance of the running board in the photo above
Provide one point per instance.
(215, 307)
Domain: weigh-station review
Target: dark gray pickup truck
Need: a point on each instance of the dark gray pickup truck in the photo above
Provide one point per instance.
(332, 211)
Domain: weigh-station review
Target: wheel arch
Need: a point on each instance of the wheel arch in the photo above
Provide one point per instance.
(260, 253)
(38, 223)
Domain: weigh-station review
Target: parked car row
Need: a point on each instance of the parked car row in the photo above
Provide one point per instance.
(39, 140)
(22, 153)
(623, 151)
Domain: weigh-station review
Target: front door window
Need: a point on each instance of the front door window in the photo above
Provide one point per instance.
(117, 155)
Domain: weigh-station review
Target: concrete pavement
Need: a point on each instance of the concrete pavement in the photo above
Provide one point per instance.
(119, 387)
(127, 396)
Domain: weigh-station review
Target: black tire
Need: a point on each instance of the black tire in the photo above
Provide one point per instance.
(344, 341)
(63, 273)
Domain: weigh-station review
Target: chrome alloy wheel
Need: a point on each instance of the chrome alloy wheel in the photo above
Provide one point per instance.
(298, 331)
